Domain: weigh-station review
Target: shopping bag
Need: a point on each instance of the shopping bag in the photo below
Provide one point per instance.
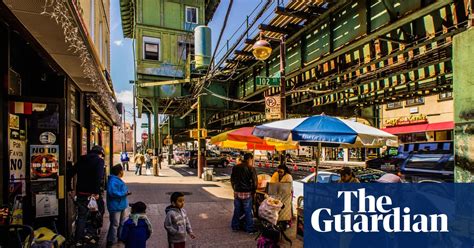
(269, 210)
(92, 205)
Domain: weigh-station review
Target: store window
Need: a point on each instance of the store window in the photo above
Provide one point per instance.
(446, 96)
(415, 101)
(34, 145)
(151, 48)
(394, 105)
(191, 15)
(334, 154)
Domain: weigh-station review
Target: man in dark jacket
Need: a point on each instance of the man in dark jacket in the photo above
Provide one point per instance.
(244, 183)
(90, 174)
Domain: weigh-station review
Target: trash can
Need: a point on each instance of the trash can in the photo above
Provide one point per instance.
(208, 171)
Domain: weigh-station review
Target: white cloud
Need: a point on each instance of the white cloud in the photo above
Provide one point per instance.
(125, 97)
(118, 42)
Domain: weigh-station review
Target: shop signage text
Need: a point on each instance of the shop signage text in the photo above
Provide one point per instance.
(406, 120)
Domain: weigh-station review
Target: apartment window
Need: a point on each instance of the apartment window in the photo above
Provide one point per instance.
(394, 105)
(92, 20)
(191, 15)
(446, 96)
(415, 101)
(151, 48)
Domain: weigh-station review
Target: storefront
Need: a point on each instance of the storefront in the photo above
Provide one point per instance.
(416, 128)
(46, 122)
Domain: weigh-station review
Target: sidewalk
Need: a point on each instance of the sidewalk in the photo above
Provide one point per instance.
(209, 206)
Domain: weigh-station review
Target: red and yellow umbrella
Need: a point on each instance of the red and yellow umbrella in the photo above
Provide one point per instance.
(242, 138)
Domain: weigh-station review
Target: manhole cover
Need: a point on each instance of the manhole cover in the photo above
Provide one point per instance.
(184, 193)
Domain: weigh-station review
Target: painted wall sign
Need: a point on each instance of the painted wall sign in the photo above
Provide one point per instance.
(44, 161)
(14, 122)
(47, 138)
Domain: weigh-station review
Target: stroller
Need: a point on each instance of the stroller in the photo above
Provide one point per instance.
(270, 233)
(93, 224)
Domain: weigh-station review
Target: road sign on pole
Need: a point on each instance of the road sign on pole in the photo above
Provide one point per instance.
(144, 125)
(144, 136)
(272, 107)
(268, 81)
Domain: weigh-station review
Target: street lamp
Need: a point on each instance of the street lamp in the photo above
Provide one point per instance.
(262, 50)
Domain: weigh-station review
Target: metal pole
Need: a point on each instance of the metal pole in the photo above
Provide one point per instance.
(282, 76)
(134, 124)
(170, 147)
(200, 158)
(124, 130)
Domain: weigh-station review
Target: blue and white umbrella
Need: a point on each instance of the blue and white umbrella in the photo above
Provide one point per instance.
(326, 129)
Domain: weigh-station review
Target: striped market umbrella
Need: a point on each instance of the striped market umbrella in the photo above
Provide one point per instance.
(243, 139)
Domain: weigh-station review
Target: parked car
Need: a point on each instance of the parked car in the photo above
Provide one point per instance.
(431, 166)
(394, 158)
(364, 175)
(178, 157)
(212, 158)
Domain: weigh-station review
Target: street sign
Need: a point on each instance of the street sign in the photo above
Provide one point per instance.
(144, 125)
(144, 136)
(194, 133)
(268, 81)
(272, 107)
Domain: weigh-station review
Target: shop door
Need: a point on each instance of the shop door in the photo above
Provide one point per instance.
(36, 143)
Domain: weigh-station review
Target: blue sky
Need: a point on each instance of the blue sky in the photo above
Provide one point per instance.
(122, 69)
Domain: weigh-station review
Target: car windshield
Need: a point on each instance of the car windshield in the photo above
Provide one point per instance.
(323, 178)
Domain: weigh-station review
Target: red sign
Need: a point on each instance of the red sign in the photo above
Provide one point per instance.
(144, 136)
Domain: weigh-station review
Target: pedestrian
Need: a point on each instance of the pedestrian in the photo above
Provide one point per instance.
(137, 229)
(139, 161)
(347, 176)
(117, 202)
(282, 175)
(148, 157)
(124, 159)
(244, 183)
(177, 224)
(89, 172)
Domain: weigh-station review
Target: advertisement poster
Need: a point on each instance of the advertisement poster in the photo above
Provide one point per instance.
(17, 167)
(44, 161)
(17, 159)
(46, 205)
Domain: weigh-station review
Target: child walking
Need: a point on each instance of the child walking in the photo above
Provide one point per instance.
(177, 224)
(137, 229)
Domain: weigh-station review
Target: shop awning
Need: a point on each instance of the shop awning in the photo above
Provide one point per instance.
(447, 125)
(420, 128)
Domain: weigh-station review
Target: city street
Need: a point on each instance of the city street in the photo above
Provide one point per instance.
(209, 206)
(345, 91)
